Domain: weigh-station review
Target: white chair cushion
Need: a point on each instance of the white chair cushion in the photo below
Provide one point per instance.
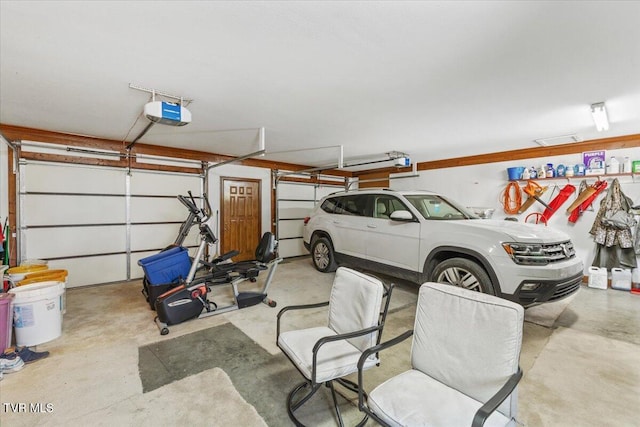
(414, 399)
(467, 340)
(335, 359)
(355, 304)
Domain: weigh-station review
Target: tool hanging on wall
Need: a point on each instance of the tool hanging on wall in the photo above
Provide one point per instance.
(584, 193)
(511, 198)
(586, 197)
(537, 218)
(534, 191)
(557, 201)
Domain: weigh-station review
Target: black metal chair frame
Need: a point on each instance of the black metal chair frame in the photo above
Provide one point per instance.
(315, 386)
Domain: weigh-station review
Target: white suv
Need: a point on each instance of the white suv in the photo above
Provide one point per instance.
(422, 236)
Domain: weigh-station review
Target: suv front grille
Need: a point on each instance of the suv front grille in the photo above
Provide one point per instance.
(540, 254)
(559, 252)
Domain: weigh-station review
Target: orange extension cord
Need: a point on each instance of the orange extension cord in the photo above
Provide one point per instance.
(512, 198)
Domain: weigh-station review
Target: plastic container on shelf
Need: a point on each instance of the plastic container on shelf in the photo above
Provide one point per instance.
(515, 173)
(626, 165)
(561, 170)
(597, 278)
(569, 170)
(551, 172)
(542, 173)
(635, 166)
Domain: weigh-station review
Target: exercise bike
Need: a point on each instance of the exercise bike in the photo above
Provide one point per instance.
(171, 265)
(190, 299)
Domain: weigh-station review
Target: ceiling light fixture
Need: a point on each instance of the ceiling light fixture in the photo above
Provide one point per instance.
(599, 113)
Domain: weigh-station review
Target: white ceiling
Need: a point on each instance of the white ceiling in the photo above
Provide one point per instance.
(432, 79)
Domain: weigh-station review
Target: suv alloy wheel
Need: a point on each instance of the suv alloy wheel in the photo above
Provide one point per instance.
(322, 254)
(464, 273)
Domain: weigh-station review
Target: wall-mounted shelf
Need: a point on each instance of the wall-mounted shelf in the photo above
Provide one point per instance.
(580, 177)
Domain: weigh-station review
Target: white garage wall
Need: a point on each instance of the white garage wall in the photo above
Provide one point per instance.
(482, 186)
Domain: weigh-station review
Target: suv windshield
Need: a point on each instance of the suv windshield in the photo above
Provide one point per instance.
(436, 207)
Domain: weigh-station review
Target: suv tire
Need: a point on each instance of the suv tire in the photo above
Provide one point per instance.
(322, 254)
(463, 273)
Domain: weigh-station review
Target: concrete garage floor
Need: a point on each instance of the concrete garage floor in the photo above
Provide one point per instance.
(581, 361)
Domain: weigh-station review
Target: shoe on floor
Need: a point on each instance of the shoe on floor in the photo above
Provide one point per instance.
(29, 356)
(9, 365)
(9, 354)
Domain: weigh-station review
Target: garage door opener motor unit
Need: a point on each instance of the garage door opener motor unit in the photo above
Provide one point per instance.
(167, 113)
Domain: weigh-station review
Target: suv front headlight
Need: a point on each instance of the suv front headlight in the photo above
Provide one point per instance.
(539, 254)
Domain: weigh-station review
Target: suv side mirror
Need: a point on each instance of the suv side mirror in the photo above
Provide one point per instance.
(401, 215)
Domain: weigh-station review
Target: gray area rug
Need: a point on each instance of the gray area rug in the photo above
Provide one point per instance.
(263, 380)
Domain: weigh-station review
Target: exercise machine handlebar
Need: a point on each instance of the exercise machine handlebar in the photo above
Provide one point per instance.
(189, 204)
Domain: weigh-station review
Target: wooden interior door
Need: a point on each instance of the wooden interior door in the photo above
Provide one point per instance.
(241, 217)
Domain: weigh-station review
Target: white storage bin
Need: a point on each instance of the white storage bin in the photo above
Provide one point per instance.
(621, 279)
(597, 278)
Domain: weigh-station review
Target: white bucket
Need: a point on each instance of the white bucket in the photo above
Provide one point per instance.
(37, 312)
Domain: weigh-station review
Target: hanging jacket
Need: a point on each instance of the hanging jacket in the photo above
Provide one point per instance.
(607, 235)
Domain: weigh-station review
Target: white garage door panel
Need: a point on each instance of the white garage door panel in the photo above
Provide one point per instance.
(291, 228)
(62, 178)
(290, 248)
(155, 183)
(159, 236)
(294, 209)
(295, 202)
(57, 200)
(49, 209)
(74, 241)
(93, 270)
(152, 236)
(157, 209)
(324, 190)
(295, 191)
